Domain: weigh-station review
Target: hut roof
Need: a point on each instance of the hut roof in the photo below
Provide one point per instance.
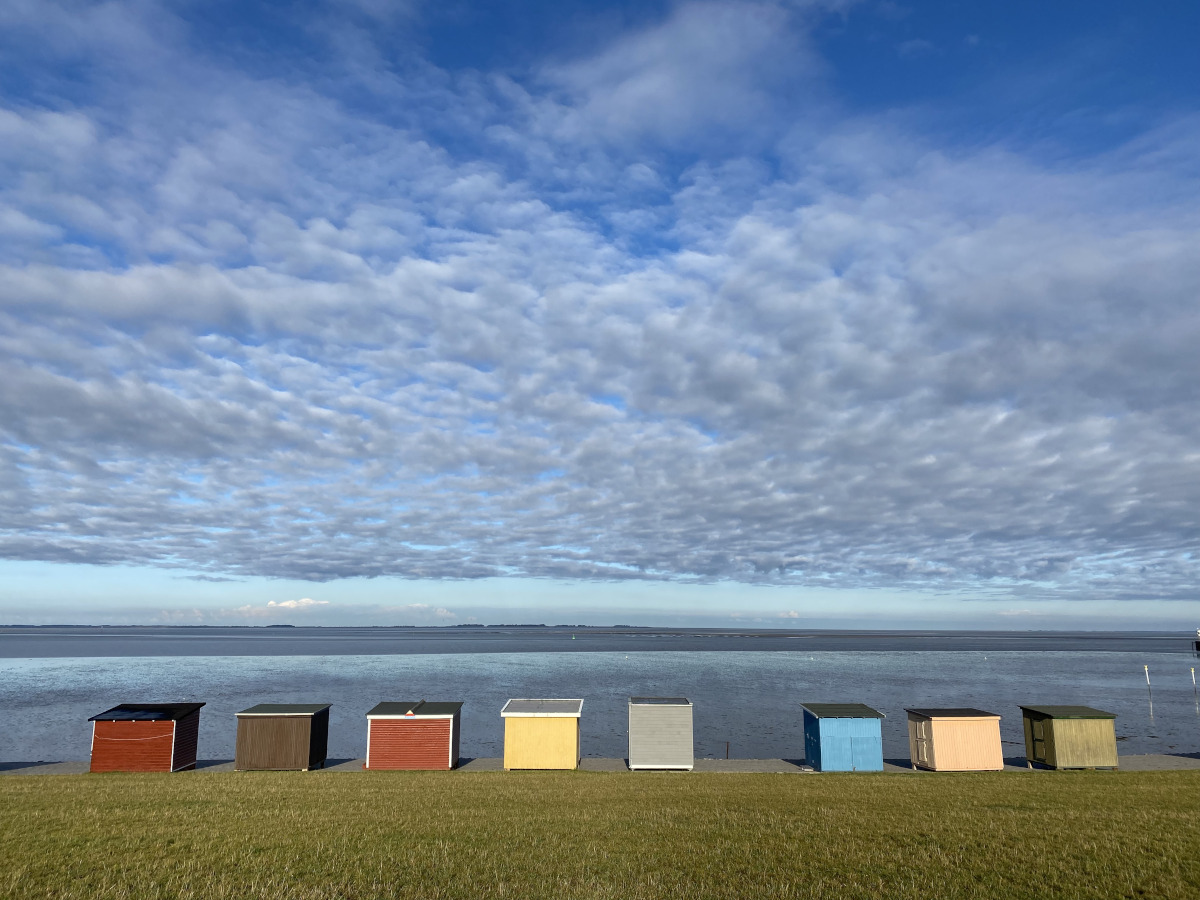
(842, 711)
(956, 712)
(1069, 712)
(661, 701)
(415, 708)
(284, 709)
(146, 712)
(543, 708)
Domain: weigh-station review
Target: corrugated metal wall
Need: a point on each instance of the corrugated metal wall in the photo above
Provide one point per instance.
(273, 742)
(660, 736)
(138, 746)
(410, 743)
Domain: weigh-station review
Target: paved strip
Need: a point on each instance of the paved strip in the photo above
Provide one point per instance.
(1150, 762)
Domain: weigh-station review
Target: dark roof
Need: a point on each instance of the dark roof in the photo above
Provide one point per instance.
(284, 709)
(954, 712)
(842, 711)
(416, 708)
(147, 712)
(1069, 712)
(661, 701)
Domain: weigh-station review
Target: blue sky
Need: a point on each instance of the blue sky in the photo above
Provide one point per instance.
(795, 313)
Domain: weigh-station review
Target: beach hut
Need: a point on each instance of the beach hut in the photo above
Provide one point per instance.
(282, 736)
(145, 737)
(954, 740)
(415, 735)
(541, 734)
(843, 737)
(1070, 737)
(660, 733)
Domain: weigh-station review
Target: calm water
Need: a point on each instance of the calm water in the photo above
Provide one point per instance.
(749, 698)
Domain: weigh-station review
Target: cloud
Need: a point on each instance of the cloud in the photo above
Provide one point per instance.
(303, 603)
(252, 329)
(710, 66)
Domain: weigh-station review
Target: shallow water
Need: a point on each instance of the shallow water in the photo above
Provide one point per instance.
(750, 699)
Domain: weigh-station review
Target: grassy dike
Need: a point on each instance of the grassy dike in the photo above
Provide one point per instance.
(585, 835)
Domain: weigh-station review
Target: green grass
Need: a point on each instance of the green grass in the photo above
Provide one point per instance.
(591, 835)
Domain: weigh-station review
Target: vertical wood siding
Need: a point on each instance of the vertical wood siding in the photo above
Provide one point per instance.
(273, 742)
(965, 745)
(187, 732)
(132, 746)
(541, 743)
(660, 736)
(845, 745)
(318, 740)
(1082, 743)
(410, 743)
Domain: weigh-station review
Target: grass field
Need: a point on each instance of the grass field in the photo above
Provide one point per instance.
(585, 835)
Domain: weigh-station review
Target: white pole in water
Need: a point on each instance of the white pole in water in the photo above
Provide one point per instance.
(1194, 691)
(1148, 691)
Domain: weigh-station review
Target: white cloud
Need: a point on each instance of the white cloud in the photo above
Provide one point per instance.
(254, 331)
(303, 603)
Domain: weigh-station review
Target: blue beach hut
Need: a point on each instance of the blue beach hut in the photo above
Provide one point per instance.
(843, 737)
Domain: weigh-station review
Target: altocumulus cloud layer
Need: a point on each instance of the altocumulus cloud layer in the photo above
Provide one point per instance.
(658, 310)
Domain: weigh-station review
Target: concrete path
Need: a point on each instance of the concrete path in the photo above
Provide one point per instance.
(1144, 763)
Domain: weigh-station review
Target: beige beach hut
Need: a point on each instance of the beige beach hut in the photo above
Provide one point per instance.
(541, 734)
(1070, 737)
(958, 739)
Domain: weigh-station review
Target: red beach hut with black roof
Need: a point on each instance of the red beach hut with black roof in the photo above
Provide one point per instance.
(145, 737)
(420, 735)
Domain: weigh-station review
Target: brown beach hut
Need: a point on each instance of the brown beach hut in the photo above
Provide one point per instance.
(1070, 737)
(280, 736)
(959, 739)
(541, 734)
(145, 737)
(420, 735)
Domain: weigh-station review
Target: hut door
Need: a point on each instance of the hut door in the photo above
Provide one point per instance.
(923, 743)
(1039, 739)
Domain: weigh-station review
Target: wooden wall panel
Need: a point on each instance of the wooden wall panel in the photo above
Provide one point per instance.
(966, 745)
(541, 743)
(409, 743)
(139, 746)
(273, 742)
(1084, 743)
(187, 733)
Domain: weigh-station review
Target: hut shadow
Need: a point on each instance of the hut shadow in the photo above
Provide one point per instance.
(15, 766)
(342, 763)
(798, 763)
(1184, 755)
(212, 763)
(900, 762)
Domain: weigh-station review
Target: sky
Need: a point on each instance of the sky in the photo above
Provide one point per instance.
(800, 313)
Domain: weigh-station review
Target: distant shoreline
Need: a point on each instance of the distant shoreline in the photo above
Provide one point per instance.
(57, 641)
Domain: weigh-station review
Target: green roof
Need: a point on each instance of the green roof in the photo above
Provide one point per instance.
(284, 709)
(1069, 712)
(415, 708)
(842, 711)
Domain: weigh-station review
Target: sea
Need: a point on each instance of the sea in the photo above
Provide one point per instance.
(746, 686)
